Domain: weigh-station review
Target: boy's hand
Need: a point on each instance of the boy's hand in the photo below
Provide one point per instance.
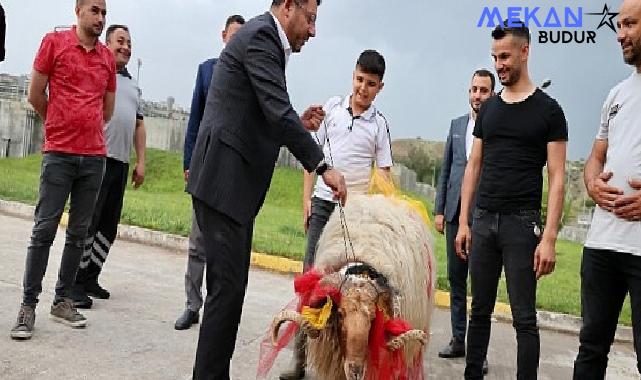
(307, 212)
(335, 180)
(313, 117)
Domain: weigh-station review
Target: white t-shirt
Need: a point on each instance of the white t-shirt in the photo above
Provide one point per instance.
(355, 145)
(469, 137)
(621, 126)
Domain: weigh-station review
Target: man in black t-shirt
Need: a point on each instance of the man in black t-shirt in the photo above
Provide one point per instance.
(516, 133)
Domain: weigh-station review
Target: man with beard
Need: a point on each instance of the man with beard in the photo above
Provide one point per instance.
(126, 127)
(80, 73)
(611, 264)
(516, 133)
(448, 203)
(248, 117)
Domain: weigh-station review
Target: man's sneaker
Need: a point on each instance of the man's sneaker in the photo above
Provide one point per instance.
(97, 291)
(80, 298)
(24, 325)
(64, 312)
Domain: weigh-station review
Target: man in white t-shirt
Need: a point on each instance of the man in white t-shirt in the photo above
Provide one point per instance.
(611, 266)
(354, 135)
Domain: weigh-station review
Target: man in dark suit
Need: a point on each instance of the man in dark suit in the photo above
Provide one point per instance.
(448, 202)
(248, 117)
(196, 256)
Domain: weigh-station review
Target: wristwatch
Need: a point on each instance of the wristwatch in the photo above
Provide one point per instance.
(322, 167)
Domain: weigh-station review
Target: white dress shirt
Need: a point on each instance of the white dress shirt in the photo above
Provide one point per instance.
(283, 38)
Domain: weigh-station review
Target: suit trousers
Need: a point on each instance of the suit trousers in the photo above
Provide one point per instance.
(195, 267)
(227, 250)
(457, 276)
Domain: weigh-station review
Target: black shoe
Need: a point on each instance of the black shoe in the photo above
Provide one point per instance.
(80, 298)
(96, 291)
(187, 319)
(485, 367)
(454, 349)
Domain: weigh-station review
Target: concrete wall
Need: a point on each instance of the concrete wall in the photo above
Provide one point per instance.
(20, 129)
(166, 134)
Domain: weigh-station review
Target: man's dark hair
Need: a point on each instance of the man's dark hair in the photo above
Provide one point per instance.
(371, 62)
(112, 28)
(485, 73)
(276, 3)
(234, 19)
(516, 28)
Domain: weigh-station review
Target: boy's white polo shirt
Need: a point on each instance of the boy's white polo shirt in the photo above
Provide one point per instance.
(352, 151)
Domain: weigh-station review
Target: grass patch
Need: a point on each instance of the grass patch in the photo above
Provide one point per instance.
(161, 204)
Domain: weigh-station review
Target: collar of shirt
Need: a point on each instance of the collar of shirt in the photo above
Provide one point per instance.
(283, 38)
(369, 113)
(125, 73)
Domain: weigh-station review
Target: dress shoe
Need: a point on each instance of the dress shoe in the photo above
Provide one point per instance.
(454, 349)
(187, 319)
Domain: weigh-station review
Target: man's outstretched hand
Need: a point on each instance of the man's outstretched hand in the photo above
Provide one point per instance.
(335, 180)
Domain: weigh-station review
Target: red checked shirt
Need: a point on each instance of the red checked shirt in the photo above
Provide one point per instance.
(78, 81)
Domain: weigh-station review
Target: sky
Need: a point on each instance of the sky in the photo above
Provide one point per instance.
(431, 49)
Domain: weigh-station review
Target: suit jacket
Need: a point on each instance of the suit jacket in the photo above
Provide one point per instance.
(198, 99)
(248, 117)
(448, 192)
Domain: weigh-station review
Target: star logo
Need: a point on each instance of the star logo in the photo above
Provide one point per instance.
(608, 18)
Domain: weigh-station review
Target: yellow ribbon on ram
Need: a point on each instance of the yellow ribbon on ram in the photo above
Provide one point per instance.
(379, 184)
(318, 318)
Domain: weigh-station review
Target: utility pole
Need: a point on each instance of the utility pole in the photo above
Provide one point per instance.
(138, 75)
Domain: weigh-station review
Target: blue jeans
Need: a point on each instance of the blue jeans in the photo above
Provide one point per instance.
(61, 175)
(504, 240)
(606, 278)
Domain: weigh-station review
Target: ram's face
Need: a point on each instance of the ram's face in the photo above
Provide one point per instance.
(356, 313)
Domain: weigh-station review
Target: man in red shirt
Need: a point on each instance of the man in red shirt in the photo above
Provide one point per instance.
(81, 75)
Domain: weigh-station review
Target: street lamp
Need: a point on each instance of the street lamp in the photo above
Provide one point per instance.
(546, 83)
(138, 75)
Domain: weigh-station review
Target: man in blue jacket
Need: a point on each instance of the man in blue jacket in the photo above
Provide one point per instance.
(196, 260)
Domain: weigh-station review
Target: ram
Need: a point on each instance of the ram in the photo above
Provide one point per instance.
(380, 319)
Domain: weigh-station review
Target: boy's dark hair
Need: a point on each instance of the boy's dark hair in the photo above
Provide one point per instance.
(485, 73)
(516, 28)
(371, 62)
(276, 3)
(234, 19)
(112, 28)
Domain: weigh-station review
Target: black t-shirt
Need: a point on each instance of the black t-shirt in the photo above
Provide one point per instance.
(515, 138)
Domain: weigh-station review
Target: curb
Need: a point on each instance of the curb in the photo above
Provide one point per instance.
(562, 323)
